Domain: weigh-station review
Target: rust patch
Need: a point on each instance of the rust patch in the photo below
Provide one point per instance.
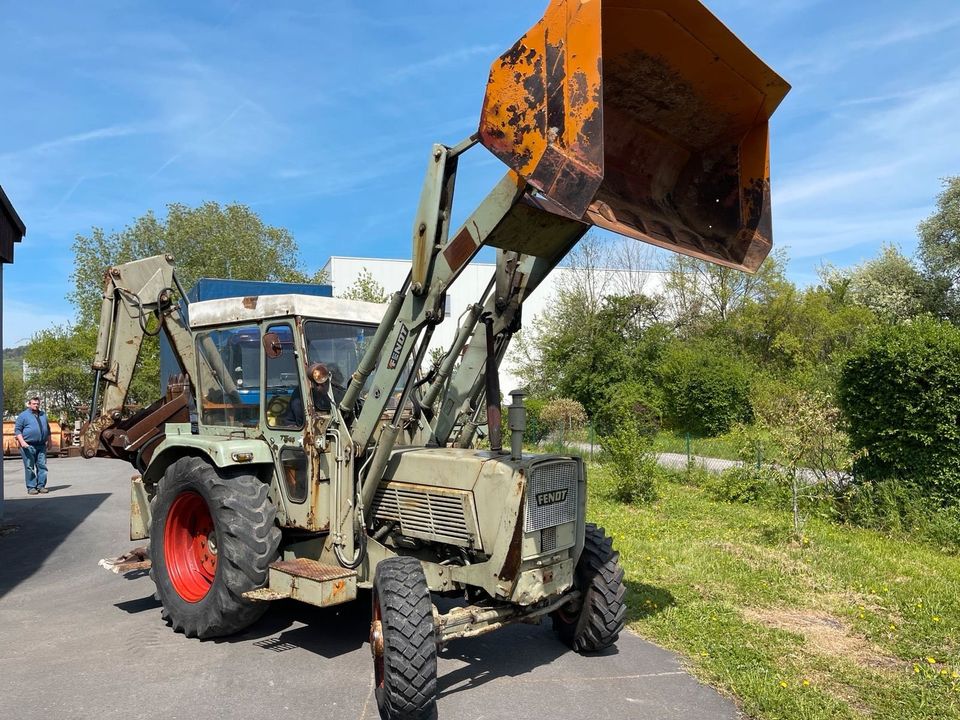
(250, 302)
(458, 252)
(311, 569)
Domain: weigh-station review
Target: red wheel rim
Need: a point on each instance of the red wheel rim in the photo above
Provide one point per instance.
(376, 643)
(189, 546)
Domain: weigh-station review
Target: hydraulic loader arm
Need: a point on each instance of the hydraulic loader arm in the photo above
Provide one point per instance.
(655, 129)
(132, 293)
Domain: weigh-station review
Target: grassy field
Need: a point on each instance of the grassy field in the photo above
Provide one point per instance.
(727, 447)
(847, 624)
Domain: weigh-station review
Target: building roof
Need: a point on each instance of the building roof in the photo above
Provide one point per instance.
(12, 228)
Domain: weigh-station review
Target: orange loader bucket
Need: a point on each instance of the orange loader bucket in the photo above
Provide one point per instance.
(644, 117)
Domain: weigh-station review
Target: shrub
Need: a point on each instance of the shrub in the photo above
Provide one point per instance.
(633, 467)
(630, 402)
(900, 394)
(563, 415)
(536, 430)
(900, 509)
(745, 484)
(706, 387)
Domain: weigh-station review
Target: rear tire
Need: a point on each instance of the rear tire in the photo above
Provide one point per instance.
(212, 538)
(596, 623)
(403, 642)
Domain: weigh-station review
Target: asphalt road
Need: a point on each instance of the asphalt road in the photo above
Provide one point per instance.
(79, 642)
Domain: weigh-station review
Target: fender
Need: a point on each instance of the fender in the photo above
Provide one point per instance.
(222, 452)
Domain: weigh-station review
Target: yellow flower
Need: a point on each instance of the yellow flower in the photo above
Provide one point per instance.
(783, 683)
(806, 682)
(892, 626)
(936, 618)
(916, 669)
(932, 661)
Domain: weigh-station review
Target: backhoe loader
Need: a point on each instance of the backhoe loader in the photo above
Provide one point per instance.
(301, 455)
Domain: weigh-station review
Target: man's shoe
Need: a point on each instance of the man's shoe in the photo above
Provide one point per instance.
(42, 491)
(32, 491)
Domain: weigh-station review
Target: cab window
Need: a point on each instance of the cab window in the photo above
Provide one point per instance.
(283, 401)
(230, 376)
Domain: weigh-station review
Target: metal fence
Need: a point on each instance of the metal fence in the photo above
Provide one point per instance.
(677, 452)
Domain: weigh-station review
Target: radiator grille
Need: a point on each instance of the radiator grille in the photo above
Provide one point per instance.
(548, 539)
(441, 515)
(551, 495)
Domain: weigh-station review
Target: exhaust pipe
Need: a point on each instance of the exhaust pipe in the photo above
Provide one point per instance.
(517, 418)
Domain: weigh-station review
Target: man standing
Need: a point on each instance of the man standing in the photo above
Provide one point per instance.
(32, 432)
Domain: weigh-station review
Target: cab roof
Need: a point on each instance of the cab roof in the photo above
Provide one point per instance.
(207, 313)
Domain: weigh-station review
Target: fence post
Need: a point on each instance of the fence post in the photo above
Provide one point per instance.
(689, 454)
(590, 435)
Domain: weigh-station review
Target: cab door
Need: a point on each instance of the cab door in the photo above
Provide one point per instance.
(285, 422)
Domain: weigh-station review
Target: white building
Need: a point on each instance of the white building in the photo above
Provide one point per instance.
(344, 271)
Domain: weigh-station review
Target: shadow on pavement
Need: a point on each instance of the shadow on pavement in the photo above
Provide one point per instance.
(327, 632)
(45, 522)
(510, 652)
(138, 605)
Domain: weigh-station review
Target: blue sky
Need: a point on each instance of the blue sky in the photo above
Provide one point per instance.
(320, 116)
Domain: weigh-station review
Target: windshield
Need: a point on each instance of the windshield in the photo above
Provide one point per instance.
(338, 346)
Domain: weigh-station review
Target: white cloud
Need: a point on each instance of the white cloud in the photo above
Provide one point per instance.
(22, 319)
(103, 133)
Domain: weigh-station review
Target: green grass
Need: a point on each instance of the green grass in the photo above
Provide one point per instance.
(724, 446)
(850, 624)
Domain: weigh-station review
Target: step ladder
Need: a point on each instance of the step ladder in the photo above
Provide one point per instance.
(308, 581)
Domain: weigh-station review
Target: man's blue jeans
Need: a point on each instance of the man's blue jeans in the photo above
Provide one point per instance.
(35, 465)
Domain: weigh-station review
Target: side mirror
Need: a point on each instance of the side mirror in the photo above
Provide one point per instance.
(271, 345)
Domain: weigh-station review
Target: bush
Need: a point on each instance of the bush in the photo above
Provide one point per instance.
(900, 394)
(536, 430)
(630, 402)
(901, 509)
(633, 467)
(563, 416)
(706, 387)
(745, 484)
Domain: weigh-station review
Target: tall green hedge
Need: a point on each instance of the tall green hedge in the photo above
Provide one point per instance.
(706, 387)
(900, 393)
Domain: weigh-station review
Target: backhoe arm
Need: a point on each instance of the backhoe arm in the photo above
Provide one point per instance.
(132, 293)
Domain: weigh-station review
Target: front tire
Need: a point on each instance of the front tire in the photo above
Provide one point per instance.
(596, 623)
(212, 538)
(402, 641)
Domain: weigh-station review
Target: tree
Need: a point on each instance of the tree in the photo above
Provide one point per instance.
(890, 285)
(365, 288)
(811, 449)
(593, 336)
(14, 393)
(59, 360)
(939, 250)
(697, 290)
(211, 240)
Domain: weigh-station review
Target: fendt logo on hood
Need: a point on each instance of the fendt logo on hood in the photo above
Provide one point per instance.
(551, 498)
